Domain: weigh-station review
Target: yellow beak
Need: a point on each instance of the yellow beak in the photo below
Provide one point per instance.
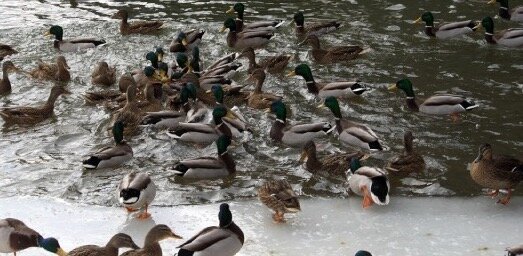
(303, 156)
(61, 252)
(392, 87)
(322, 105)
(184, 41)
(292, 73)
(47, 33)
(208, 91)
(417, 21)
(477, 27)
(222, 29)
(231, 10)
(491, 2)
(267, 110)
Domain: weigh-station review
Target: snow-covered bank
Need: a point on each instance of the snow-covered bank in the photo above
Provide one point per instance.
(409, 226)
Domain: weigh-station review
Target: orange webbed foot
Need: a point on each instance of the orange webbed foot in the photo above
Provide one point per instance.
(367, 199)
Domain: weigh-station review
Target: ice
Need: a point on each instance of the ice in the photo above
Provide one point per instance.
(408, 226)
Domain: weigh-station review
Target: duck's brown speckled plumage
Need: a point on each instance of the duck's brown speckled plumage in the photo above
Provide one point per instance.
(136, 27)
(272, 64)
(409, 161)
(151, 245)
(52, 71)
(332, 54)
(332, 165)
(103, 74)
(279, 197)
(119, 240)
(259, 99)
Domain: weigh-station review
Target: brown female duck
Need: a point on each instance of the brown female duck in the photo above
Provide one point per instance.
(52, 71)
(32, 115)
(5, 84)
(119, 240)
(409, 161)
(6, 50)
(317, 29)
(103, 74)
(136, 27)
(259, 99)
(130, 114)
(272, 64)
(279, 197)
(332, 54)
(496, 172)
(151, 245)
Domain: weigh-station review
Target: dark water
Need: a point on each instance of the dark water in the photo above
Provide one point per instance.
(46, 159)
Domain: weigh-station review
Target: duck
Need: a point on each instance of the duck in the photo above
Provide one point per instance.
(135, 27)
(130, 114)
(33, 115)
(496, 172)
(514, 14)
(119, 240)
(272, 64)
(153, 98)
(5, 83)
(136, 191)
(151, 245)
(515, 250)
(258, 99)
(230, 96)
(279, 197)
(186, 41)
(208, 167)
(510, 37)
(409, 161)
(318, 29)
(439, 104)
(332, 54)
(111, 156)
(340, 89)
(6, 50)
(234, 118)
(72, 44)
(111, 98)
(295, 135)
(362, 253)
(331, 165)
(370, 182)
(225, 240)
(103, 74)
(448, 30)
(239, 8)
(202, 134)
(58, 71)
(251, 38)
(15, 236)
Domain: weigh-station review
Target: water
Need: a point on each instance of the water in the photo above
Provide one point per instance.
(46, 159)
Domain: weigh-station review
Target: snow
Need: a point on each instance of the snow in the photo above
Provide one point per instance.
(408, 226)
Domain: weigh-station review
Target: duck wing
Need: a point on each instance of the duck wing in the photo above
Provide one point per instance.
(205, 238)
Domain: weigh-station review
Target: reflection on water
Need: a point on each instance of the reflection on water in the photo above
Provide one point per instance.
(46, 159)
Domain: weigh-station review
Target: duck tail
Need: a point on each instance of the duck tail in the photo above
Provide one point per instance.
(375, 146)
(91, 163)
(279, 23)
(469, 105)
(180, 169)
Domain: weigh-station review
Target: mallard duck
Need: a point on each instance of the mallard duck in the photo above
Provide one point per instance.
(279, 197)
(515, 250)
(72, 44)
(5, 84)
(230, 96)
(234, 118)
(114, 156)
(130, 114)
(318, 28)
(136, 191)
(332, 54)
(151, 245)
(103, 74)
(239, 8)
(52, 71)
(362, 253)
(510, 37)
(251, 38)
(153, 98)
(208, 167)
(6, 50)
(295, 135)
(225, 240)
(352, 133)
(370, 182)
(409, 161)
(333, 165)
(119, 240)
(323, 90)
(273, 64)
(32, 115)
(496, 172)
(16, 236)
(258, 99)
(202, 134)
(135, 27)
(447, 30)
(112, 98)
(439, 104)
(514, 14)
(186, 41)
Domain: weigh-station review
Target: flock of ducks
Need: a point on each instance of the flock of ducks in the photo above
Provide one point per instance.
(196, 106)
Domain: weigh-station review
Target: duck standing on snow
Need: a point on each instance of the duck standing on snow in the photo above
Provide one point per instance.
(136, 191)
(369, 182)
(279, 197)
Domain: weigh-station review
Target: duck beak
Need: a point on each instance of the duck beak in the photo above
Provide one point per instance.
(222, 29)
(292, 73)
(231, 9)
(175, 236)
(61, 252)
(208, 91)
(47, 33)
(184, 42)
(417, 21)
(477, 27)
(303, 156)
(322, 105)
(267, 110)
(491, 2)
(392, 87)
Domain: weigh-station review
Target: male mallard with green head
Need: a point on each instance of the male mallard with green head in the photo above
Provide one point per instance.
(439, 104)
(111, 156)
(496, 172)
(409, 161)
(323, 90)
(5, 84)
(136, 192)
(251, 38)
(234, 118)
(208, 167)
(32, 115)
(514, 14)
(370, 182)
(317, 28)
(103, 74)
(225, 240)
(352, 133)
(72, 44)
(135, 27)
(58, 71)
(279, 197)
(16, 236)
(152, 241)
(332, 54)
(295, 135)
(447, 30)
(119, 240)
(273, 64)
(258, 99)
(239, 8)
(510, 37)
